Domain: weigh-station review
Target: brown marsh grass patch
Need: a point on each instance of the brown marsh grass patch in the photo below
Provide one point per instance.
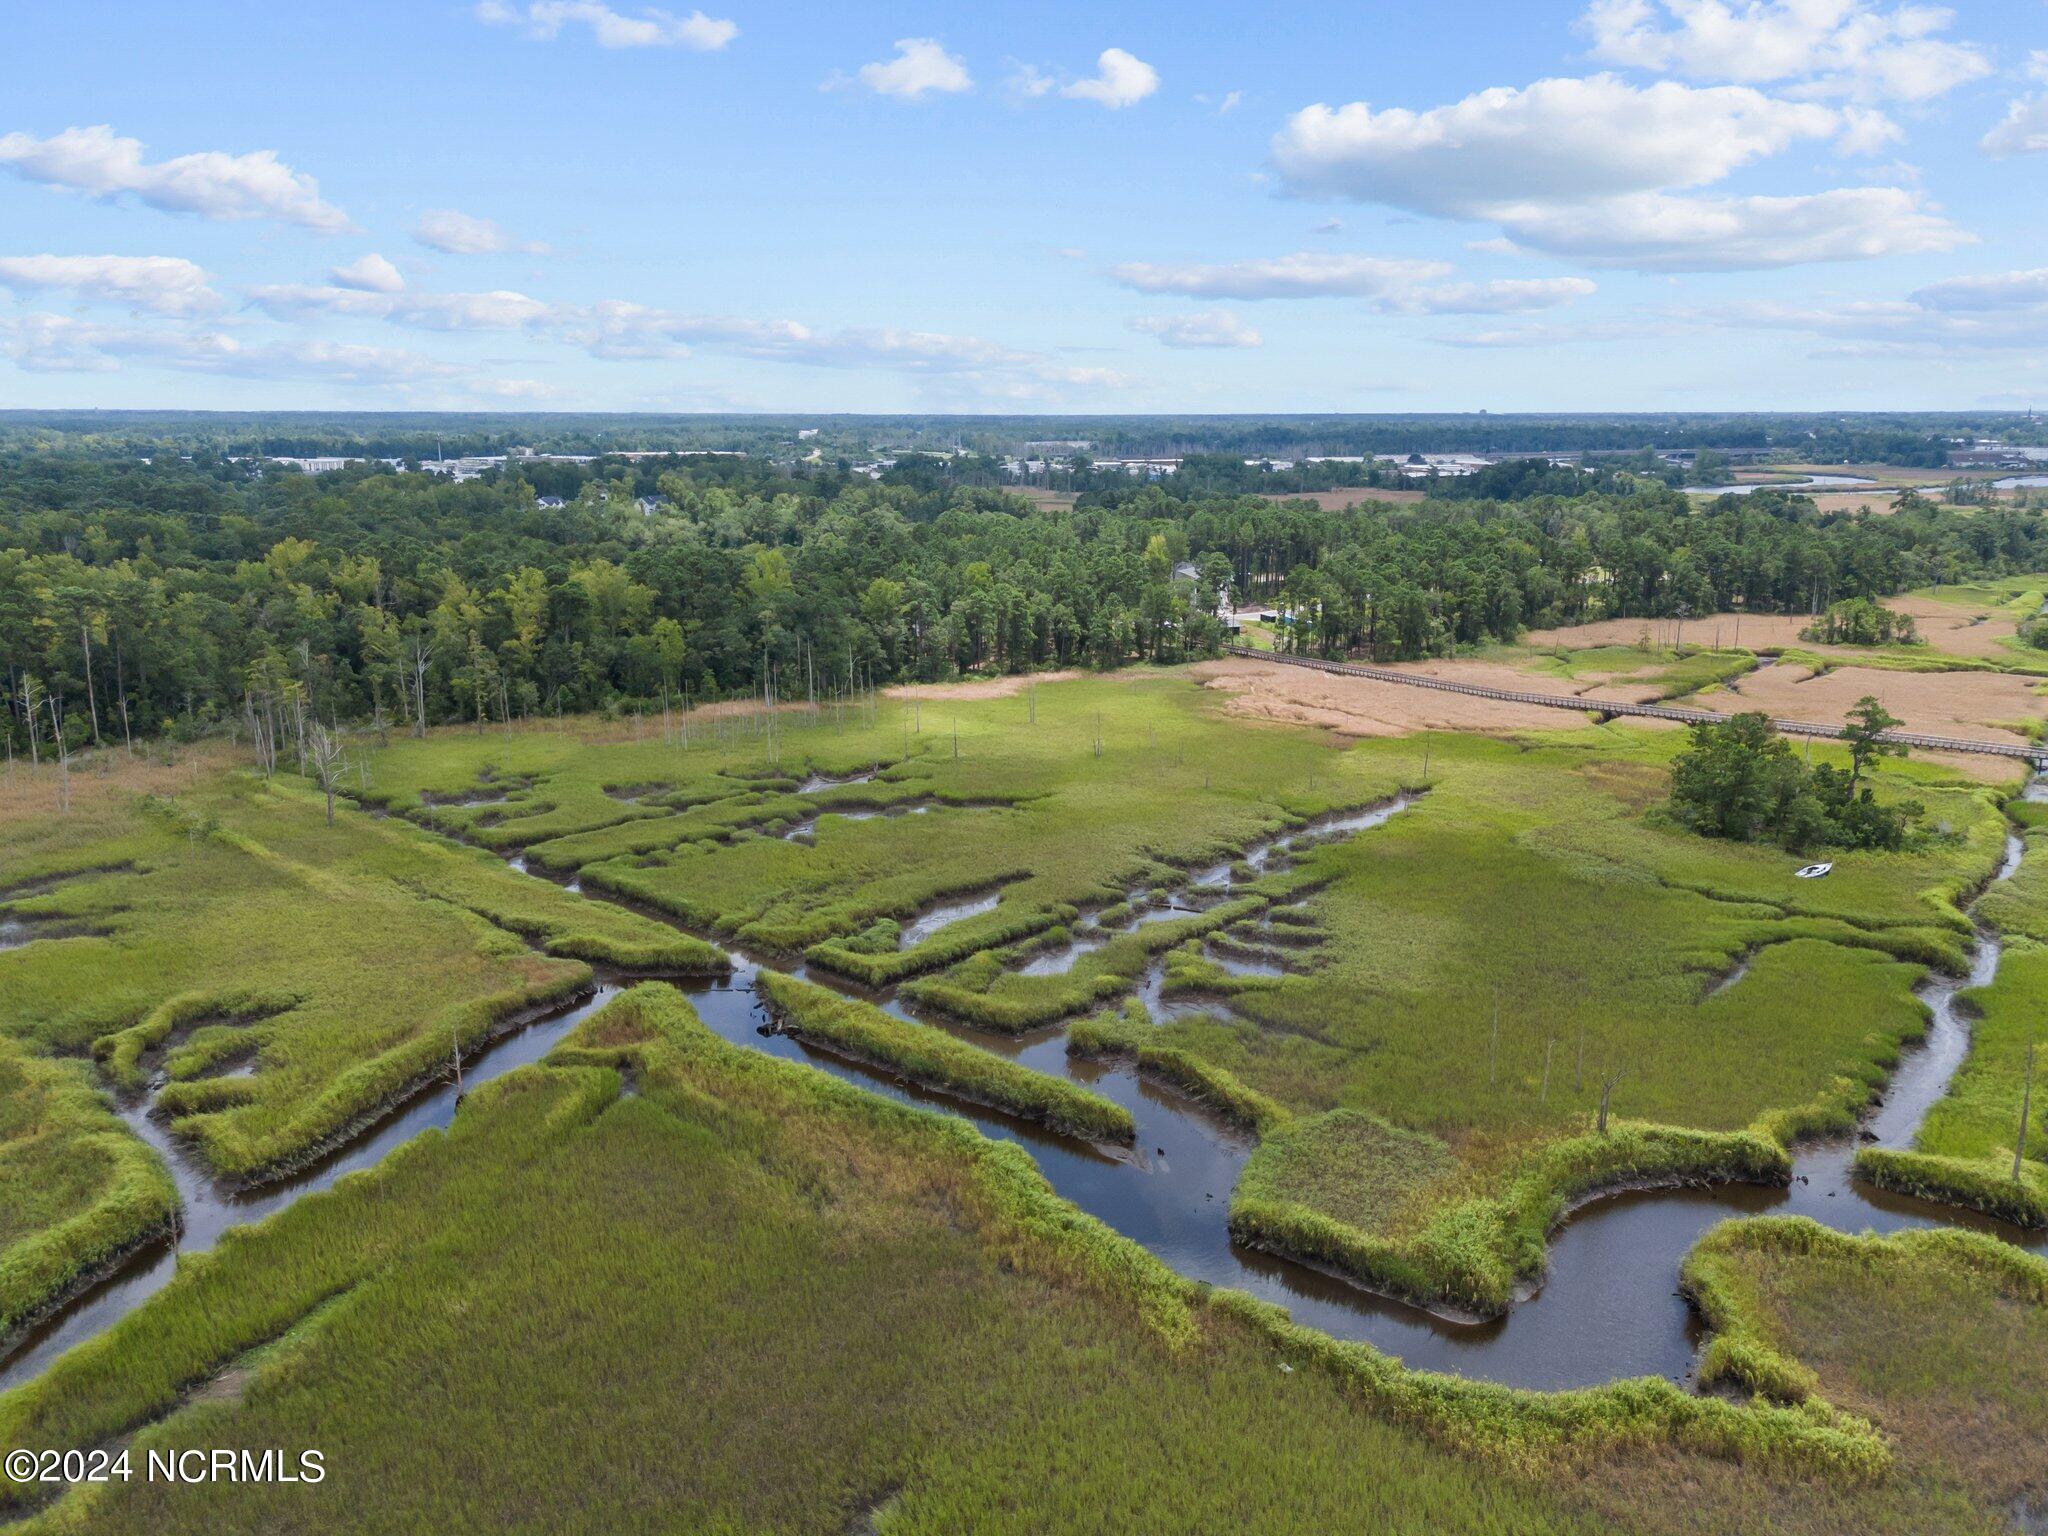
(1359, 706)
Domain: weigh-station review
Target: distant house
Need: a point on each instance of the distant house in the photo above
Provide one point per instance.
(1989, 456)
(552, 503)
(315, 466)
(1149, 469)
(460, 470)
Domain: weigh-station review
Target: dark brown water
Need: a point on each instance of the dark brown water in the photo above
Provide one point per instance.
(1608, 1308)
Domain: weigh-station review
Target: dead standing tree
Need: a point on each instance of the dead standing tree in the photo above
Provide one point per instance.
(417, 657)
(327, 757)
(1610, 1080)
(28, 713)
(2019, 1147)
(63, 756)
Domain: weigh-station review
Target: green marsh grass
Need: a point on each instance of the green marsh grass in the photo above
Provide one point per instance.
(935, 1059)
(77, 1190)
(346, 963)
(1536, 879)
(1939, 1337)
(932, 1334)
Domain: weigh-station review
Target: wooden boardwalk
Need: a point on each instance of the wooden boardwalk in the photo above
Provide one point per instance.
(2036, 757)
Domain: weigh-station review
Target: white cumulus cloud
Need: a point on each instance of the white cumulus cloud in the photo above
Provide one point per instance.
(372, 274)
(211, 184)
(545, 20)
(464, 234)
(1393, 285)
(1868, 328)
(1588, 168)
(1563, 139)
(2023, 132)
(499, 310)
(1305, 274)
(921, 66)
(1831, 47)
(46, 343)
(1651, 232)
(1504, 296)
(1120, 80)
(1202, 328)
(167, 285)
(1988, 291)
(620, 330)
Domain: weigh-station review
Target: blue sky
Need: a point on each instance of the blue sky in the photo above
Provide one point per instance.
(570, 204)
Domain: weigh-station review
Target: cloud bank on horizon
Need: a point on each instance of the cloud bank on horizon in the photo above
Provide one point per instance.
(631, 207)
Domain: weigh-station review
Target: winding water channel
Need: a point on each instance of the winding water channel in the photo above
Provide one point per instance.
(1607, 1309)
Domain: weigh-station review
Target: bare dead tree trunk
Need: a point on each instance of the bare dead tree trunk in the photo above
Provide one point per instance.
(2019, 1146)
(121, 693)
(91, 700)
(28, 710)
(1493, 1044)
(1548, 1047)
(329, 758)
(63, 759)
(1608, 1083)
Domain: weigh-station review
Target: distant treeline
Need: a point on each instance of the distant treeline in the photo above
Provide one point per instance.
(183, 594)
(1905, 438)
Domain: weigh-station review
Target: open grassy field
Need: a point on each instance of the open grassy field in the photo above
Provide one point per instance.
(877, 1320)
(1593, 931)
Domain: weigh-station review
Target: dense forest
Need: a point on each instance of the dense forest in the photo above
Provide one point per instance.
(138, 596)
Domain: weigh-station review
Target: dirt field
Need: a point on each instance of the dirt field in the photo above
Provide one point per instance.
(1769, 631)
(1338, 500)
(1358, 706)
(1874, 501)
(980, 688)
(1959, 630)
(1965, 704)
(1058, 500)
(1945, 627)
